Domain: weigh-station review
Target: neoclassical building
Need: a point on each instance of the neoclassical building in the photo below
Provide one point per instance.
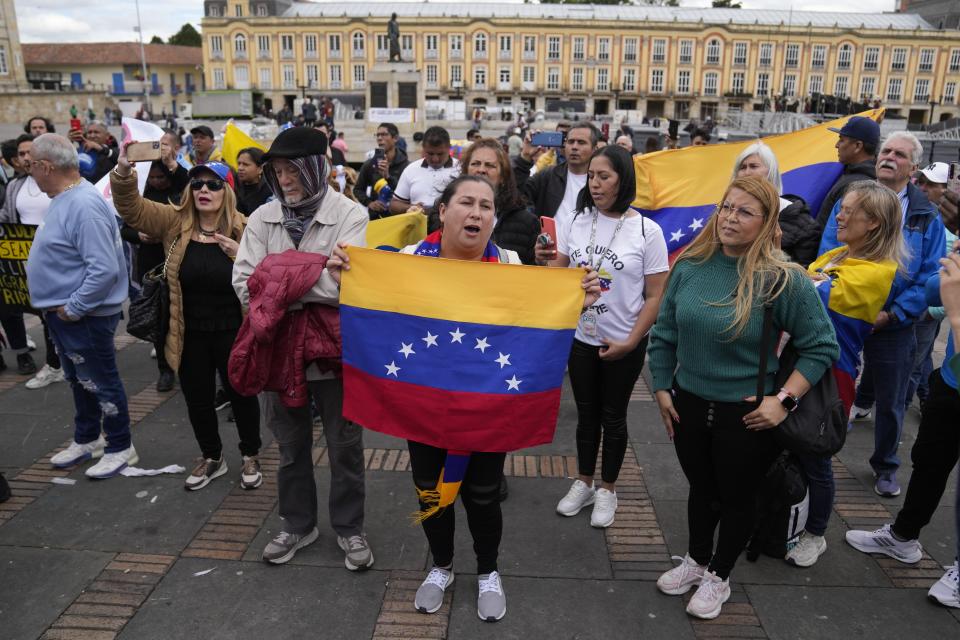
(663, 61)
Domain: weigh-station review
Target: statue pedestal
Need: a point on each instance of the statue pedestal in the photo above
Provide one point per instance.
(395, 94)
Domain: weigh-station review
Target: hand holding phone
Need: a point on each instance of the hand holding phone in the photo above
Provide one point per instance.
(547, 139)
(953, 180)
(143, 151)
(546, 249)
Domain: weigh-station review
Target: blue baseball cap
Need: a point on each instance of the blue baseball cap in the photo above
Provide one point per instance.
(219, 168)
(860, 128)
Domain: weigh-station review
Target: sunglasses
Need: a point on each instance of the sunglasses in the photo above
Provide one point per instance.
(212, 185)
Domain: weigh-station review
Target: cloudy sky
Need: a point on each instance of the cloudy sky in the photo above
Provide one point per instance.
(114, 20)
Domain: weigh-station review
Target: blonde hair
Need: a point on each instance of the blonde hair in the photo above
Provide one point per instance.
(882, 205)
(764, 272)
(230, 222)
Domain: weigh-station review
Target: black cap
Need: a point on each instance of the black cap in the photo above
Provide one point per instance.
(203, 130)
(297, 142)
(860, 128)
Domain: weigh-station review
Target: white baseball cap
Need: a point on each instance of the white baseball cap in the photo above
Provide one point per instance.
(938, 172)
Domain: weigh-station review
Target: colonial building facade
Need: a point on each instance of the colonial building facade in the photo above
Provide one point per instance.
(663, 61)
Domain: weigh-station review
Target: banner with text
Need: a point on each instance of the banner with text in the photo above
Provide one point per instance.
(15, 242)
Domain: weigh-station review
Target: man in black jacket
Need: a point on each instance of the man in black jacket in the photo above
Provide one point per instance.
(553, 191)
(387, 166)
(857, 150)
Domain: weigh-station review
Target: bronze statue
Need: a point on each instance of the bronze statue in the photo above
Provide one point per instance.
(393, 33)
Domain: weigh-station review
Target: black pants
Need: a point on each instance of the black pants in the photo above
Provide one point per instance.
(52, 357)
(16, 331)
(934, 455)
(725, 464)
(204, 354)
(480, 493)
(602, 392)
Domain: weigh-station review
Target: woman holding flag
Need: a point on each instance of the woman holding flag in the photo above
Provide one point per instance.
(467, 221)
(704, 361)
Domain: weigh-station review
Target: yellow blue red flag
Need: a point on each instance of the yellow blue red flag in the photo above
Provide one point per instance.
(467, 356)
(680, 188)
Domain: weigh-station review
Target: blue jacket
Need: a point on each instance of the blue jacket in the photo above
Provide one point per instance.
(933, 299)
(924, 235)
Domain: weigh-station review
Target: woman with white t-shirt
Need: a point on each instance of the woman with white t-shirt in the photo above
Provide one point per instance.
(630, 253)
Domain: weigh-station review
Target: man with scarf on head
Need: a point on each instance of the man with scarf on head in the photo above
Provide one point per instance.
(310, 217)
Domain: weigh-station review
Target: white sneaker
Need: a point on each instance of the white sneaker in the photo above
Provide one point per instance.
(491, 601)
(578, 497)
(46, 376)
(882, 541)
(77, 453)
(946, 591)
(429, 597)
(860, 414)
(710, 596)
(681, 578)
(113, 463)
(807, 551)
(604, 509)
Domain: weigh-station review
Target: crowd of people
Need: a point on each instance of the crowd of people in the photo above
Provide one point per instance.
(882, 243)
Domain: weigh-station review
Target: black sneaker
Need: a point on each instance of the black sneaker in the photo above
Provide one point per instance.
(4, 489)
(221, 401)
(165, 381)
(25, 364)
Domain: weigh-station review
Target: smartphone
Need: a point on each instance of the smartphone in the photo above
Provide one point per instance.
(547, 139)
(548, 231)
(378, 155)
(953, 181)
(75, 124)
(143, 151)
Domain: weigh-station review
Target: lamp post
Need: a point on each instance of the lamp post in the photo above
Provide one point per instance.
(143, 62)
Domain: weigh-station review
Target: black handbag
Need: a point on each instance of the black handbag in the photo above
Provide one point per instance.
(819, 424)
(149, 315)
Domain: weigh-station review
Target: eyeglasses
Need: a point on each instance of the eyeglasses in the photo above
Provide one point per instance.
(212, 185)
(727, 210)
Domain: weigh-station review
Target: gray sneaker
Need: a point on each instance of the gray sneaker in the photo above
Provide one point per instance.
(282, 548)
(358, 555)
(429, 597)
(491, 603)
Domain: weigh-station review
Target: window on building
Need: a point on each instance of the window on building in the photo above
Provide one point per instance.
(286, 46)
(456, 46)
(213, 11)
(603, 49)
(261, 10)
(336, 76)
(844, 57)
(310, 45)
(898, 61)
(553, 78)
(238, 11)
(766, 54)
(818, 56)
(921, 90)
(789, 85)
(579, 48)
(263, 46)
(503, 78)
(926, 60)
(216, 46)
(456, 75)
(240, 46)
(763, 84)
(659, 53)
(737, 82)
(656, 81)
(383, 47)
(710, 80)
(289, 77)
(359, 76)
(479, 77)
(685, 55)
(950, 93)
(894, 89)
(359, 45)
(480, 45)
(553, 47)
(713, 51)
(841, 86)
(815, 84)
(683, 82)
(792, 56)
(406, 46)
(313, 76)
(871, 58)
(955, 60)
(629, 80)
(219, 79)
(4, 65)
(333, 46)
(505, 50)
(431, 46)
(529, 75)
(576, 79)
(265, 78)
(529, 47)
(241, 76)
(432, 76)
(868, 88)
(603, 79)
(740, 54)
(629, 50)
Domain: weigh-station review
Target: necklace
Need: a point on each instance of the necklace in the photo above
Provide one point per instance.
(204, 232)
(71, 186)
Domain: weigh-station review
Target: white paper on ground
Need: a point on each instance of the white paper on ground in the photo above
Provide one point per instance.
(136, 472)
(63, 481)
(202, 573)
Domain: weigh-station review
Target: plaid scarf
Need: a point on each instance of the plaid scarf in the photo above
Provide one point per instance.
(455, 464)
(314, 175)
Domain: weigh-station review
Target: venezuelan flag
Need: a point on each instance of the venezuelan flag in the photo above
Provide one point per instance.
(234, 140)
(396, 232)
(853, 296)
(467, 356)
(680, 188)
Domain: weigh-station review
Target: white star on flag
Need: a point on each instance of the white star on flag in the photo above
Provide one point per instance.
(676, 235)
(482, 345)
(696, 224)
(407, 350)
(456, 336)
(431, 340)
(503, 360)
(392, 369)
(513, 383)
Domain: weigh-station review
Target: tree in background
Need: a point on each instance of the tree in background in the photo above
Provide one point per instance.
(726, 4)
(156, 40)
(187, 37)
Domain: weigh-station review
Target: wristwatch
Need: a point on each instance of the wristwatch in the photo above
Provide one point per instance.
(789, 401)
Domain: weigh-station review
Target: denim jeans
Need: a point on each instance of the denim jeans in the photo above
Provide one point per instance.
(888, 359)
(90, 365)
(819, 473)
(926, 330)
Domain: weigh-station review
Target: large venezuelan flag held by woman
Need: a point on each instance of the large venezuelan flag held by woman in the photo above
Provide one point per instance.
(458, 355)
(680, 188)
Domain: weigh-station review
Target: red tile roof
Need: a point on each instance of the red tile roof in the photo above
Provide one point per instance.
(109, 53)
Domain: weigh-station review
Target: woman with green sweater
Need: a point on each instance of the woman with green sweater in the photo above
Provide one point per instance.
(704, 359)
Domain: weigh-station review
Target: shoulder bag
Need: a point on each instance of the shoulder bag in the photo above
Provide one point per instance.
(149, 315)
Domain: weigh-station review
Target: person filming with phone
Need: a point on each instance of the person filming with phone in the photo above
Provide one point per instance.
(98, 143)
(387, 163)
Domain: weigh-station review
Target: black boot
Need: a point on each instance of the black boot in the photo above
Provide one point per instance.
(25, 364)
(165, 381)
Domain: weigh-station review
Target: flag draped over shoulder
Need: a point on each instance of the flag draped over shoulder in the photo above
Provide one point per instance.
(396, 232)
(854, 295)
(680, 188)
(458, 355)
(233, 141)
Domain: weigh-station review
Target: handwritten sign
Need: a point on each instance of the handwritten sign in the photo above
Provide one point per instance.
(15, 243)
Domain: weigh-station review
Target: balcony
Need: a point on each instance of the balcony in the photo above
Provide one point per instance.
(431, 54)
(528, 86)
(239, 55)
(480, 55)
(359, 84)
(287, 54)
(505, 54)
(336, 84)
(456, 54)
(529, 55)
(504, 86)
(310, 54)
(216, 54)
(263, 55)
(335, 54)
(431, 84)
(358, 54)
(382, 54)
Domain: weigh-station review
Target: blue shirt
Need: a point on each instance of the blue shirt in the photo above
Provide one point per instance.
(77, 257)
